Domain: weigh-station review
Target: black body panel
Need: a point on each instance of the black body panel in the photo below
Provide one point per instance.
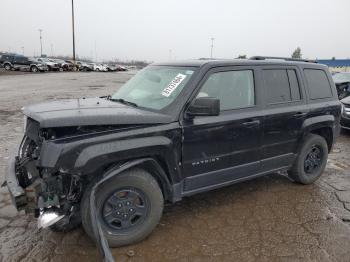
(196, 154)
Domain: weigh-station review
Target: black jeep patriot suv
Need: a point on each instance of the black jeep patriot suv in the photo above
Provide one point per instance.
(173, 130)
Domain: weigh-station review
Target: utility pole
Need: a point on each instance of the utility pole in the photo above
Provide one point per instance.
(51, 49)
(170, 51)
(212, 46)
(73, 32)
(22, 50)
(95, 52)
(41, 43)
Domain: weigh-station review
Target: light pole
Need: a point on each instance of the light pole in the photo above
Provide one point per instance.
(212, 46)
(73, 32)
(41, 43)
(22, 50)
(170, 52)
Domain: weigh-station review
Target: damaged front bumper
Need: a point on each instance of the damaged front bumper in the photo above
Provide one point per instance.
(17, 193)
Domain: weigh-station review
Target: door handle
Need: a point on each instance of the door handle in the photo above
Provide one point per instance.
(299, 114)
(251, 123)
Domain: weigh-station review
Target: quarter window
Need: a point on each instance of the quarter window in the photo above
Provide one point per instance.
(234, 89)
(318, 84)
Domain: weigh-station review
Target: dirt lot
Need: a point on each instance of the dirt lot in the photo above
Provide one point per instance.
(267, 219)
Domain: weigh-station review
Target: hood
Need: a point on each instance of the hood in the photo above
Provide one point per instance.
(91, 111)
(346, 100)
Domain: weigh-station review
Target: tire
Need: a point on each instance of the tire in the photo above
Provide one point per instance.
(60, 69)
(97, 69)
(7, 67)
(311, 161)
(139, 182)
(34, 69)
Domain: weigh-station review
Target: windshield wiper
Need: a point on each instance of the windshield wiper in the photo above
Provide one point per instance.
(121, 100)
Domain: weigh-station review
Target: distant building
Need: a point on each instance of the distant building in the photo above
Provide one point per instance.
(336, 65)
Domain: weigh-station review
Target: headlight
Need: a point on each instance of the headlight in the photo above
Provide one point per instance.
(24, 123)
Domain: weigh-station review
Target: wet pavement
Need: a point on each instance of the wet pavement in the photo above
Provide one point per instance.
(266, 219)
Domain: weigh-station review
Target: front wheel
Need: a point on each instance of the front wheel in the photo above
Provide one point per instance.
(7, 67)
(129, 207)
(311, 161)
(34, 69)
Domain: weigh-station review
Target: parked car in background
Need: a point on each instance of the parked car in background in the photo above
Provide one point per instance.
(63, 65)
(111, 68)
(20, 62)
(342, 82)
(345, 116)
(121, 68)
(98, 67)
(83, 66)
(53, 66)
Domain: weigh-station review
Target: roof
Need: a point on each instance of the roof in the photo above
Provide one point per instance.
(234, 62)
(335, 62)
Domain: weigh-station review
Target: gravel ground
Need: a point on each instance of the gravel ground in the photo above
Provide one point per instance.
(266, 219)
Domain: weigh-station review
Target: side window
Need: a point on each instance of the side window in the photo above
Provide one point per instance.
(277, 86)
(281, 85)
(318, 84)
(235, 89)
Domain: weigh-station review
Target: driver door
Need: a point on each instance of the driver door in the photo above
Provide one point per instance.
(220, 149)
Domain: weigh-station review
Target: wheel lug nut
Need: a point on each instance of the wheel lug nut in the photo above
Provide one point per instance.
(131, 209)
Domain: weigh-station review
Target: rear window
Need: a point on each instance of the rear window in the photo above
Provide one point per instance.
(318, 84)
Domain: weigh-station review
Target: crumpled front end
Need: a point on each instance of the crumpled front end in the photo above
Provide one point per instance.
(38, 189)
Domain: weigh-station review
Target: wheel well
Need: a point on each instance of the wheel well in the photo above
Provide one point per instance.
(326, 133)
(159, 174)
(151, 166)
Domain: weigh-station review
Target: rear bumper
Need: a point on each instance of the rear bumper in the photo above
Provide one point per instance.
(17, 193)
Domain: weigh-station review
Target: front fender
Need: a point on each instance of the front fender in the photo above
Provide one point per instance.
(96, 154)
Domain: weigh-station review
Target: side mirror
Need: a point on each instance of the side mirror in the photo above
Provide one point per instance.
(204, 106)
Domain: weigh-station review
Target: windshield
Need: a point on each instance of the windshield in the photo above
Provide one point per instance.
(155, 87)
(341, 77)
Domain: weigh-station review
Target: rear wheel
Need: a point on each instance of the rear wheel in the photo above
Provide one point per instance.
(311, 161)
(129, 207)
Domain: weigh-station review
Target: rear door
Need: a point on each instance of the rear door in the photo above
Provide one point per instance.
(285, 111)
(21, 62)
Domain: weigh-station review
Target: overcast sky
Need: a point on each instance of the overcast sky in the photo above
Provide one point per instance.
(147, 30)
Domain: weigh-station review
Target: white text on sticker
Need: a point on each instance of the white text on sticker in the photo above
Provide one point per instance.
(173, 85)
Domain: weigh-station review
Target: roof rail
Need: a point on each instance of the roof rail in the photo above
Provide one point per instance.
(282, 58)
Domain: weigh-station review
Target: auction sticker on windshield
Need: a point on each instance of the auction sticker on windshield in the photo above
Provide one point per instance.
(173, 85)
